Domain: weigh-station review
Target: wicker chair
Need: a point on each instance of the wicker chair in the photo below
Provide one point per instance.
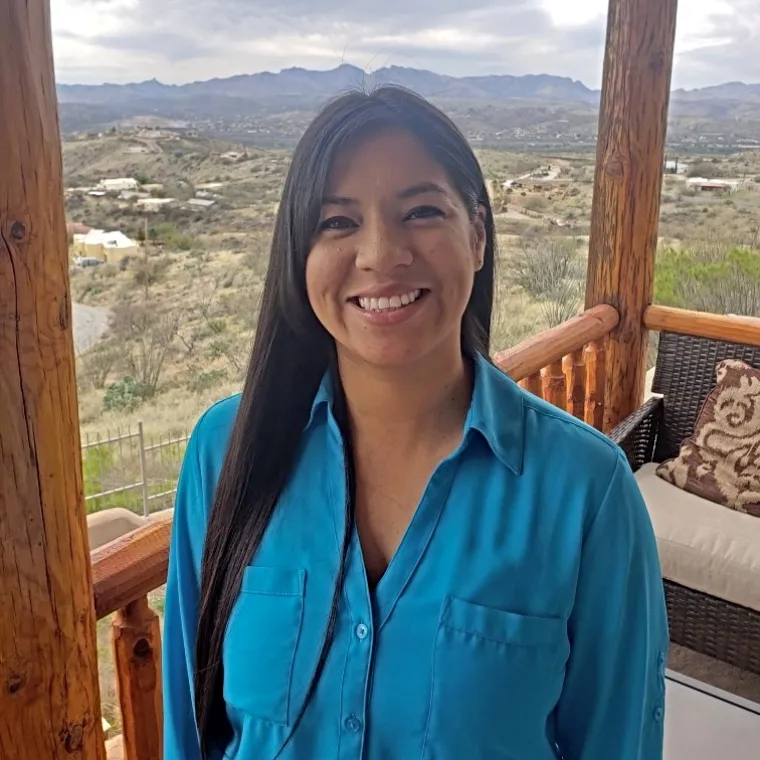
(684, 376)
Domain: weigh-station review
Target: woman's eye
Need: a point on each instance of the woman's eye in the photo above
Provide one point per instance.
(424, 212)
(337, 223)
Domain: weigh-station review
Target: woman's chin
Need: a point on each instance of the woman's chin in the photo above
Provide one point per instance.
(388, 357)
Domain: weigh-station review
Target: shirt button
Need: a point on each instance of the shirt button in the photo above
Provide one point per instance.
(659, 714)
(661, 660)
(353, 724)
(361, 631)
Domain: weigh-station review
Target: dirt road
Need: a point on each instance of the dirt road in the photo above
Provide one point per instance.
(90, 325)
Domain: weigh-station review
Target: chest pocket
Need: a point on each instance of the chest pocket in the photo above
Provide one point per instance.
(261, 640)
(497, 676)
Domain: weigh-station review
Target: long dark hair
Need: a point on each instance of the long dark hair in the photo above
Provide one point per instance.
(291, 353)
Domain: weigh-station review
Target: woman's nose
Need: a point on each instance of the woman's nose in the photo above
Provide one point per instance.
(382, 247)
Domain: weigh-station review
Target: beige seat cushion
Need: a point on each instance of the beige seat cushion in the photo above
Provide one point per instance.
(110, 524)
(703, 545)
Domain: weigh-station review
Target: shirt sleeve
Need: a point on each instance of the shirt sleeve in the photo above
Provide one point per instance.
(613, 701)
(181, 611)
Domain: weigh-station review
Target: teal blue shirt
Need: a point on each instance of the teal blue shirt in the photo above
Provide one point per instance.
(522, 617)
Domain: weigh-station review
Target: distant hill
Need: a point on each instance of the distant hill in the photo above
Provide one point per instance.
(305, 85)
(731, 91)
(272, 108)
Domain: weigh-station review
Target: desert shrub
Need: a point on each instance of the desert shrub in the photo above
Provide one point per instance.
(714, 280)
(96, 365)
(200, 381)
(146, 338)
(552, 271)
(536, 203)
(125, 395)
(168, 234)
(706, 169)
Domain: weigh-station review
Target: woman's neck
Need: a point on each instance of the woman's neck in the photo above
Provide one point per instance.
(420, 404)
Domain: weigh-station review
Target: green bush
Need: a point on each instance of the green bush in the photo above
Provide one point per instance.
(717, 281)
(200, 382)
(169, 234)
(125, 395)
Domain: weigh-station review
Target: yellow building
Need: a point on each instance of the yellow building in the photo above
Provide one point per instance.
(106, 246)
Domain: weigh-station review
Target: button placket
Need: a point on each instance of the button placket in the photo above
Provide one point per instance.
(359, 628)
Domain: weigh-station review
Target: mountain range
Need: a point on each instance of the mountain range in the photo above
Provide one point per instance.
(305, 84)
(242, 97)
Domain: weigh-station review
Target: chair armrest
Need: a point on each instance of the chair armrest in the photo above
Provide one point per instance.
(637, 434)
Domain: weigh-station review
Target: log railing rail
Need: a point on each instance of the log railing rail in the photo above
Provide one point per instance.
(701, 324)
(130, 567)
(565, 365)
(123, 574)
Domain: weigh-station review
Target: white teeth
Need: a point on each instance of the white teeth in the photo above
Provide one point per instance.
(389, 304)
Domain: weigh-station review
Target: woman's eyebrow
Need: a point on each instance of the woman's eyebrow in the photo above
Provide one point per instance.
(338, 200)
(419, 189)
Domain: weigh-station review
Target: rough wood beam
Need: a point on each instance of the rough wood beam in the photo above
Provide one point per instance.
(49, 696)
(626, 207)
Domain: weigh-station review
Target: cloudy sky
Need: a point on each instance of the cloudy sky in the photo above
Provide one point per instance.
(178, 41)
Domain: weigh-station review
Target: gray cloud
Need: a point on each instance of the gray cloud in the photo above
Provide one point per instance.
(729, 50)
(181, 40)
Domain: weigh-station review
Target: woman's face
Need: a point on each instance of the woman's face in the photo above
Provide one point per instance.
(392, 264)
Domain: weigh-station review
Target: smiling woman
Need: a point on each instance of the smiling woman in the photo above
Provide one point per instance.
(399, 251)
(370, 555)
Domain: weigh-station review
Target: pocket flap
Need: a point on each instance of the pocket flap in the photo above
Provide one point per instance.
(273, 581)
(501, 625)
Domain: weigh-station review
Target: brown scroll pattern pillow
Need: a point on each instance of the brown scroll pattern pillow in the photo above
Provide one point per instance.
(721, 461)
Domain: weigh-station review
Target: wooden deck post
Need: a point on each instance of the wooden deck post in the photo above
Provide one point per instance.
(49, 696)
(136, 643)
(626, 207)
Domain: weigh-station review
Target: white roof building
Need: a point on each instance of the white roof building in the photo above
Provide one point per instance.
(119, 184)
(154, 203)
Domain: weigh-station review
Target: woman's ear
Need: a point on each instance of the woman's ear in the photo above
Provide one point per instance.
(479, 238)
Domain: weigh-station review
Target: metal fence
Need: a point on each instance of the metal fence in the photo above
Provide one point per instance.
(130, 470)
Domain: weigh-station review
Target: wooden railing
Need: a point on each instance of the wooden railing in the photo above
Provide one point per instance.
(123, 573)
(703, 325)
(565, 365)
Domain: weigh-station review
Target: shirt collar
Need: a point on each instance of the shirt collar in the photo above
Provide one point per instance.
(496, 411)
(323, 398)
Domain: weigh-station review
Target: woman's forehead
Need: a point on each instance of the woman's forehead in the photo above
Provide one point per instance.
(391, 159)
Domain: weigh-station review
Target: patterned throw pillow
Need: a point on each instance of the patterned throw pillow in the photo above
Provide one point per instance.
(721, 461)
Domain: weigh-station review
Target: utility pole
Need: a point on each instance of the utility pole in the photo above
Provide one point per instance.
(145, 261)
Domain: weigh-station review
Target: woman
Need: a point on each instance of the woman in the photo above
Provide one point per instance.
(383, 548)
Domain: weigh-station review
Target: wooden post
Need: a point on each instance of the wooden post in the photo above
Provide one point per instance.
(593, 358)
(533, 384)
(136, 641)
(554, 386)
(575, 383)
(626, 207)
(49, 696)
